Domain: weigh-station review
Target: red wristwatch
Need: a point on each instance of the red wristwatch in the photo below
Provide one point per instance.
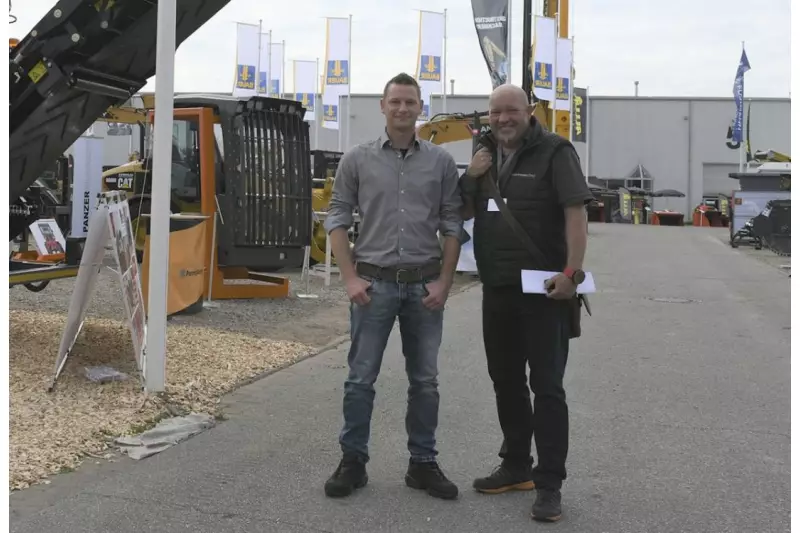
(575, 274)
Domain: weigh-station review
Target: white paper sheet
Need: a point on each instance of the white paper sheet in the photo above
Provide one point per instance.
(492, 205)
(533, 282)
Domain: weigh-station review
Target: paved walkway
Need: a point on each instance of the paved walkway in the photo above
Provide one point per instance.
(679, 421)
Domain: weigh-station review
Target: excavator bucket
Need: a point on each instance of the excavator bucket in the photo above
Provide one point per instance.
(774, 226)
(83, 57)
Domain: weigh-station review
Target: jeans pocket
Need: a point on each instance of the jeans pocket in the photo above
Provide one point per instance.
(369, 279)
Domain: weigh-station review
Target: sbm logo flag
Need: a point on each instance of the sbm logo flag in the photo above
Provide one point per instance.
(543, 75)
(338, 72)
(430, 68)
(245, 77)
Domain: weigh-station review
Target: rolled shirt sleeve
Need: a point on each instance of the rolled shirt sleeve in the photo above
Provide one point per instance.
(344, 197)
(450, 222)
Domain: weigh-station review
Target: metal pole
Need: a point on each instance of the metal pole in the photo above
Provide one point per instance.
(527, 22)
(258, 66)
(349, 79)
(741, 135)
(636, 89)
(555, 73)
(452, 87)
(444, 66)
(508, 42)
(282, 81)
(317, 104)
(269, 65)
(587, 124)
(156, 340)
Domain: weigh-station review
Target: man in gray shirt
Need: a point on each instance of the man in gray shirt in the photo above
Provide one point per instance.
(405, 190)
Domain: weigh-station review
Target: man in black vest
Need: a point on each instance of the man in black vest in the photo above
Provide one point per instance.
(536, 174)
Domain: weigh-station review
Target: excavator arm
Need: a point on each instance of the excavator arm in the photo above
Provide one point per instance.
(83, 58)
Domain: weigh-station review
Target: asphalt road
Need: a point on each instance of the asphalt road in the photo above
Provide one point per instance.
(679, 397)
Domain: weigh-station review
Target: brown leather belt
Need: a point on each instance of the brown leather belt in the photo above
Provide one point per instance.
(398, 274)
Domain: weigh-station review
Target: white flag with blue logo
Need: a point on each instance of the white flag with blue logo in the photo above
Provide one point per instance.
(430, 59)
(276, 87)
(247, 36)
(305, 85)
(563, 74)
(337, 70)
(266, 66)
(544, 55)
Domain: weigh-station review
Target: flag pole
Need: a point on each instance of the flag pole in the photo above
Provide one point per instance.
(741, 136)
(349, 78)
(317, 117)
(258, 60)
(282, 81)
(444, 66)
(508, 43)
(555, 72)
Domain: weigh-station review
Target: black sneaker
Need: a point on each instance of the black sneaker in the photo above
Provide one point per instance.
(505, 478)
(429, 477)
(349, 475)
(547, 507)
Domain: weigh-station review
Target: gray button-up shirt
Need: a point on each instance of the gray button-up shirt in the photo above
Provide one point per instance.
(402, 202)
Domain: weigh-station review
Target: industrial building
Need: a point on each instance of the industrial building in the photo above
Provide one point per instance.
(680, 143)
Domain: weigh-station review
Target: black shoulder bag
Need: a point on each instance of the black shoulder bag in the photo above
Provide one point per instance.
(580, 300)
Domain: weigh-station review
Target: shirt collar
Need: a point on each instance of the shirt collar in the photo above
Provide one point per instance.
(385, 141)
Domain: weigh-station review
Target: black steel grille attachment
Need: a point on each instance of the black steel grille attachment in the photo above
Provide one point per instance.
(273, 186)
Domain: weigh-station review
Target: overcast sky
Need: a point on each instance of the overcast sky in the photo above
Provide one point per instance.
(672, 47)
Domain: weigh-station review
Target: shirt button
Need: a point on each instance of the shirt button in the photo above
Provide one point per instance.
(402, 210)
(402, 192)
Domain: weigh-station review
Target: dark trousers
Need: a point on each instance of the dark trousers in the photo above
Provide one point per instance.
(527, 330)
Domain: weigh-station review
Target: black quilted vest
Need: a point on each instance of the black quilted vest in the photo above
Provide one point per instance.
(530, 196)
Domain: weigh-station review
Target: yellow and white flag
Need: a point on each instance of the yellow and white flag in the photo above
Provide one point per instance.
(277, 55)
(246, 59)
(430, 59)
(563, 74)
(337, 70)
(544, 57)
(266, 66)
(305, 81)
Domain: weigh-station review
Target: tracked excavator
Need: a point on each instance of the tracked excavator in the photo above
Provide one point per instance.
(453, 127)
(249, 158)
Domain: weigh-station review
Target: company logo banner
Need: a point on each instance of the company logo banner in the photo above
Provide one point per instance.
(430, 59)
(580, 101)
(247, 36)
(337, 70)
(544, 57)
(563, 74)
(491, 24)
(305, 81)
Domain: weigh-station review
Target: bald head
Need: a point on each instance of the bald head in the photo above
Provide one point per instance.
(508, 114)
(508, 94)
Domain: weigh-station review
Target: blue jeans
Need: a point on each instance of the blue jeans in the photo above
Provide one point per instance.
(421, 335)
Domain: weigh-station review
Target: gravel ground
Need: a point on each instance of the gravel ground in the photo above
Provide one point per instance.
(209, 354)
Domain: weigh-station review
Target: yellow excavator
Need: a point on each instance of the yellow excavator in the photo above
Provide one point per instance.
(454, 127)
